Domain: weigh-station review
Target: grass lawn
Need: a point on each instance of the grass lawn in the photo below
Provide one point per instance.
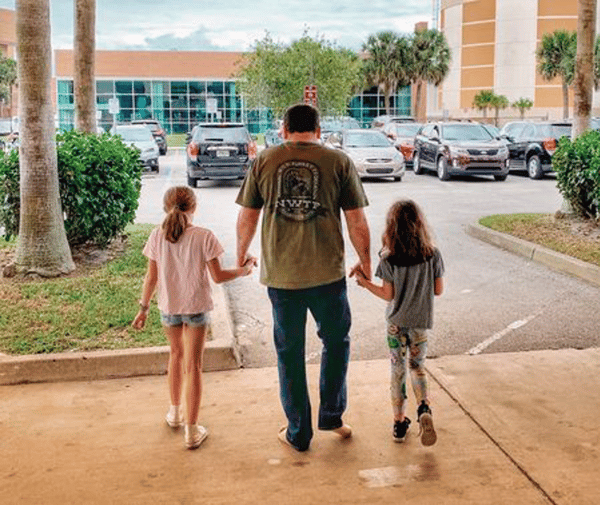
(567, 235)
(91, 309)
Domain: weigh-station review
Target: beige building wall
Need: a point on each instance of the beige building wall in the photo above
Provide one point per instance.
(493, 45)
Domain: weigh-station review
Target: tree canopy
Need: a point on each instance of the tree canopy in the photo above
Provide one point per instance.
(274, 75)
(8, 77)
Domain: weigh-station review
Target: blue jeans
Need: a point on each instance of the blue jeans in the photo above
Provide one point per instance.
(329, 306)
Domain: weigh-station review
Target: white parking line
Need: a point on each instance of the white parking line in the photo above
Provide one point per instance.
(497, 336)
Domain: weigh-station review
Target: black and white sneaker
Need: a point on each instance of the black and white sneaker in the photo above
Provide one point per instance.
(427, 431)
(401, 429)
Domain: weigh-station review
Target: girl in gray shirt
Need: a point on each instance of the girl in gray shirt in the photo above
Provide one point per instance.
(411, 269)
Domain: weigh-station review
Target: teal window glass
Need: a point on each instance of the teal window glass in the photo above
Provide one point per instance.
(197, 87)
(64, 87)
(124, 87)
(215, 87)
(105, 87)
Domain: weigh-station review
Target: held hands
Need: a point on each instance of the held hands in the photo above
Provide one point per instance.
(362, 273)
(249, 264)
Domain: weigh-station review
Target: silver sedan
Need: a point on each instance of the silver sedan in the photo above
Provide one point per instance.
(372, 153)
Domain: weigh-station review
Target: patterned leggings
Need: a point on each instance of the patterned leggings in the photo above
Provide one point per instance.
(400, 341)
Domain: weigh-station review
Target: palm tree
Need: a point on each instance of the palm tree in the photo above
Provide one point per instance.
(584, 66)
(431, 63)
(387, 63)
(498, 103)
(84, 82)
(556, 58)
(523, 105)
(42, 246)
(483, 100)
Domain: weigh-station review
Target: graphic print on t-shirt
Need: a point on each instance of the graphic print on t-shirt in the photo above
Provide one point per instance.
(297, 188)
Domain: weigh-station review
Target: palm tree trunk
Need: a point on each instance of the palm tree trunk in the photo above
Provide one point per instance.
(584, 65)
(386, 99)
(42, 246)
(84, 53)
(565, 89)
(419, 113)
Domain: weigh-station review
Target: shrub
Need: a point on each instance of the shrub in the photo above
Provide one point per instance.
(99, 183)
(577, 167)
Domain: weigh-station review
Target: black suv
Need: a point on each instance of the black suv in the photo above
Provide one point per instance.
(157, 132)
(219, 151)
(531, 145)
(453, 148)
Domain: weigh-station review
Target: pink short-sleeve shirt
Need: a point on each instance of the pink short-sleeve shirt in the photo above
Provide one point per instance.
(183, 284)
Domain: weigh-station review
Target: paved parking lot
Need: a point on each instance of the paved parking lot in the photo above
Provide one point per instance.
(494, 301)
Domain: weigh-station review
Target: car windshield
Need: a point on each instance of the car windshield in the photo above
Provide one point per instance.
(339, 124)
(221, 134)
(407, 129)
(366, 139)
(138, 134)
(465, 132)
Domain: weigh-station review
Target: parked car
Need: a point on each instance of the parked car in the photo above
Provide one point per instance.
(532, 145)
(494, 131)
(380, 121)
(219, 151)
(139, 136)
(330, 125)
(273, 137)
(372, 153)
(158, 133)
(402, 135)
(453, 148)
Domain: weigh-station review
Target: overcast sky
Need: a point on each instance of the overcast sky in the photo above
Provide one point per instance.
(233, 25)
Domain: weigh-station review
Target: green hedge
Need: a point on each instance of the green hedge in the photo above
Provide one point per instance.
(577, 167)
(99, 183)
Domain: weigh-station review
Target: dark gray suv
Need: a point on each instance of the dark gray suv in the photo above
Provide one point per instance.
(219, 151)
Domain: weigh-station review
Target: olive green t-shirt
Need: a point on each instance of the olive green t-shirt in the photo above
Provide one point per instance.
(302, 187)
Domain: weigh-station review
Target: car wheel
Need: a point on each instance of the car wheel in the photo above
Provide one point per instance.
(534, 167)
(417, 169)
(192, 182)
(163, 151)
(500, 177)
(442, 169)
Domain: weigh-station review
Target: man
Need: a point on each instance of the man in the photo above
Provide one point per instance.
(301, 187)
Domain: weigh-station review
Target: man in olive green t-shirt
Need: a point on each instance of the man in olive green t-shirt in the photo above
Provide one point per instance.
(302, 188)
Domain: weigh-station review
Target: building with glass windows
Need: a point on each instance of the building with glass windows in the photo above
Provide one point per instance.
(181, 89)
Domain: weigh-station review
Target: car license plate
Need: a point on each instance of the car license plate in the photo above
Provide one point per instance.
(222, 154)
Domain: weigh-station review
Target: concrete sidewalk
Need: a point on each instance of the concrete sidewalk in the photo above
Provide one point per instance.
(512, 428)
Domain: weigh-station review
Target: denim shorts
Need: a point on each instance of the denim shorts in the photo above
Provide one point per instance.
(193, 320)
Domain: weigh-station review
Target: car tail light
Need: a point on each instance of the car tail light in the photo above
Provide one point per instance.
(252, 150)
(160, 132)
(192, 149)
(550, 145)
(407, 151)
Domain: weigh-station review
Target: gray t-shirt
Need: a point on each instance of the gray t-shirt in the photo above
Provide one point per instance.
(412, 305)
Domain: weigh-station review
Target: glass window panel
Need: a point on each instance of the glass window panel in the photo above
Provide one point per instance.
(179, 87)
(215, 87)
(179, 102)
(125, 101)
(180, 115)
(161, 88)
(125, 115)
(124, 87)
(103, 99)
(65, 87)
(65, 99)
(142, 101)
(106, 87)
(197, 87)
(197, 102)
(142, 87)
(181, 127)
(143, 114)
(229, 88)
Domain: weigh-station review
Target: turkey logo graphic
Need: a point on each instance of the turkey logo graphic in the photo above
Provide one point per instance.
(297, 186)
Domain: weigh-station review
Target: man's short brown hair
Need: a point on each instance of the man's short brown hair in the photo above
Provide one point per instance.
(301, 118)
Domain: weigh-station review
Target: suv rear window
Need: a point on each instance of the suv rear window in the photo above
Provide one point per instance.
(153, 126)
(234, 134)
(554, 130)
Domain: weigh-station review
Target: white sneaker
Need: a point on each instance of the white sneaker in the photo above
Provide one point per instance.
(174, 417)
(194, 435)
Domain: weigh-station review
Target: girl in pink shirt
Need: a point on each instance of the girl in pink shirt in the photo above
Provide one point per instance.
(180, 257)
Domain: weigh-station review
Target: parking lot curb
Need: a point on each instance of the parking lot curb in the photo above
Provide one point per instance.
(220, 354)
(539, 254)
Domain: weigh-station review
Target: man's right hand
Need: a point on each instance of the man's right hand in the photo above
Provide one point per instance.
(361, 269)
